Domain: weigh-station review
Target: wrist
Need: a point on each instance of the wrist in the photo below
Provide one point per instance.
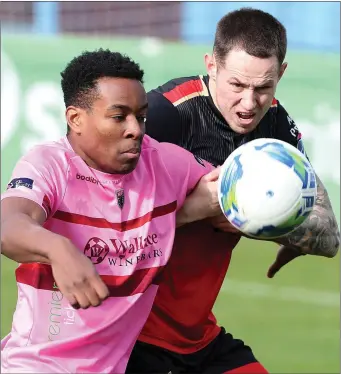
(52, 245)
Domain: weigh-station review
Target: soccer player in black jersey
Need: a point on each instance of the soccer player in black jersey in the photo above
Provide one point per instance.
(211, 116)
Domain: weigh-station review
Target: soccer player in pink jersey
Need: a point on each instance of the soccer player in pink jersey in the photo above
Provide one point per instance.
(90, 219)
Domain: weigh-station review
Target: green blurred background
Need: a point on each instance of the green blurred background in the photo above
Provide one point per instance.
(292, 321)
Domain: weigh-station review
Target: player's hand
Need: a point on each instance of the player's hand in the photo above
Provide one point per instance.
(220, 222)
(202, 202)
(207, 191)
(284, 256)
(76, 277)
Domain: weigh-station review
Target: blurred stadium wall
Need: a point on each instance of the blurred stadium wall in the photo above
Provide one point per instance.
(169, 40)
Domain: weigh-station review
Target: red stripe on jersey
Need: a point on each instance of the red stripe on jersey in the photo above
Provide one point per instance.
(254, 368)
(274, 102)
(119, 226)
(40, 277)
(183, 90)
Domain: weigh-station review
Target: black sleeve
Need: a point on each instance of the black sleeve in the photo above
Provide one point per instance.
(163, 119)
(287, 130)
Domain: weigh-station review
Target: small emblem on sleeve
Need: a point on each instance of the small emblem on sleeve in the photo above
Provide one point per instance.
(199, 160)
(20, 182)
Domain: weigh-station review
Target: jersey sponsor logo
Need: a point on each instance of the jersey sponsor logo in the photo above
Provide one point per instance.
(134, 260)
(59, 316)
(199, 160)
(133, 245)
(120, 197)
(20, 182)
(134, 250)
(293, 128)
(93, 180)
(123, 252)
(87, 179)
(96, 250)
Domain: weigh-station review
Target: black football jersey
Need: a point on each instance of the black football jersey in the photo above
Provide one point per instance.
(182, 112)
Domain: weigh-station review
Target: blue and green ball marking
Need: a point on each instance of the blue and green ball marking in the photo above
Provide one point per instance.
(284, 155)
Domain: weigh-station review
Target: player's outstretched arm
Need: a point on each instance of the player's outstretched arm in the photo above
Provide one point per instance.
(23, 239)
(319, 234)
(202, 202)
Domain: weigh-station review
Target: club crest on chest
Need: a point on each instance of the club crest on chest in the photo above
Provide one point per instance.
(120, 197)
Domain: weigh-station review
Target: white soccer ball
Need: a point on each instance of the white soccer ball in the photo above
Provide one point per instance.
(266, 188)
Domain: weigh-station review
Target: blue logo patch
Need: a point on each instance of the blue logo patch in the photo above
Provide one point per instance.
(20, 182)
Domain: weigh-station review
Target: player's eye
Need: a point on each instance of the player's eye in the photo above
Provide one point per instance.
(141, 119)
(263, 88)
(237, 87)
(118, 118)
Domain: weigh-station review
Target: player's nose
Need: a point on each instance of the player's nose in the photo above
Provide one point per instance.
(134, 129)
(249, 100)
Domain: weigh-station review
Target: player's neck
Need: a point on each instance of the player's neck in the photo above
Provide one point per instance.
(212, 88)
(78, 150)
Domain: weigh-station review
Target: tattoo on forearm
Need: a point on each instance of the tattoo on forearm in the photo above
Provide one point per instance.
(319, 234)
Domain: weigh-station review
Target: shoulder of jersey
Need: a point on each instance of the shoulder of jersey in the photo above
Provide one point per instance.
(50, 153)
(274, 104)
(149, 143)
(270, 115)
(180, 90)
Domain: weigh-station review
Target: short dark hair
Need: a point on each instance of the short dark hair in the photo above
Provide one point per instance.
(256, 32)
(79, 79)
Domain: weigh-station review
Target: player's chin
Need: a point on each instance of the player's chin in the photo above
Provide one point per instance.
(243, 128)
(128, 165)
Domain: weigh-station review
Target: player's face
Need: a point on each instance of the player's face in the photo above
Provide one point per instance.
(244, 87)
(111, 133)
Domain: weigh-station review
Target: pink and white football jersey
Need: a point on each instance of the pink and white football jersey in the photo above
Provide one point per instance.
(125, 224)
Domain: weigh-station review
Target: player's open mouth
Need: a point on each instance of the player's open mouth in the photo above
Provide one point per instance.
(246, 118)
(245, 115)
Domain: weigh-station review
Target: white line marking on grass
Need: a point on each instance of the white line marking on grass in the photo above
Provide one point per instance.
(293, 294)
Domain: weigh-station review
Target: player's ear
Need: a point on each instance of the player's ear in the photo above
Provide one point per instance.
(73, 117)
(211, 66)
(282, 70)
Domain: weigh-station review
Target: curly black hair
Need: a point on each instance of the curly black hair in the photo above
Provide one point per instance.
(79, 79)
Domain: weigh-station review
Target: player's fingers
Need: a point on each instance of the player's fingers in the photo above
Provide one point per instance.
(68, 294)
(82, 299)
(213, 175)
(273, 269)
(92, 296)
(71, 299)
(219, 219)
(220, 222)
(100, 287)
(271, 273)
